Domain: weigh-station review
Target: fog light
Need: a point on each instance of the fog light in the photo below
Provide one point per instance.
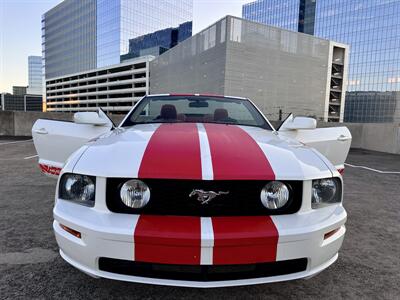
(274, 195)
(135, 193)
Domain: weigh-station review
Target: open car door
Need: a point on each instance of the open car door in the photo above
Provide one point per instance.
(56, 140)
(332, 142)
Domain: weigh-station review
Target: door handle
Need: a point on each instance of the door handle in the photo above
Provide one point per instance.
(41, 131)
(343, 138)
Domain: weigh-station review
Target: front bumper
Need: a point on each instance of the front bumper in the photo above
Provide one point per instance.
(110, 235)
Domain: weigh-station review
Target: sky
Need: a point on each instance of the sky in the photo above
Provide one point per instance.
(20, 31)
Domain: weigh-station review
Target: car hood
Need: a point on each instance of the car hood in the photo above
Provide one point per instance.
(200, 151)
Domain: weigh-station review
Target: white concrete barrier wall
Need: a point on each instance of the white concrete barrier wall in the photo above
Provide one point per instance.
(383, 137)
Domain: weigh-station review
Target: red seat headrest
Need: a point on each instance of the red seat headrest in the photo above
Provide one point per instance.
(220, 114)
(168, 111)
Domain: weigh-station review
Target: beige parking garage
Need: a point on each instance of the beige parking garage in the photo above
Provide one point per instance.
(115, 88)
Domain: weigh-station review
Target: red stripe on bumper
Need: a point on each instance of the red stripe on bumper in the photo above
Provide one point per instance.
(244, 240)
(173, 152)
(236, 155)
(168, 239)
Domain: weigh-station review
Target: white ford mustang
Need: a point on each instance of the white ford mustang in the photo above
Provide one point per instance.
(195, 190)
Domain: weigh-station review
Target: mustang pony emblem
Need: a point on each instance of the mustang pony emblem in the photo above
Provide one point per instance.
(206, 196)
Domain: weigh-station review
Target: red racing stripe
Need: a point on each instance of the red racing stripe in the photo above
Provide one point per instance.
(236, 155)
(173, 152)
(244, 240)
(168, 239)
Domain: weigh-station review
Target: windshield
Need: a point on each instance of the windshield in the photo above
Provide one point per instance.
(196, 109)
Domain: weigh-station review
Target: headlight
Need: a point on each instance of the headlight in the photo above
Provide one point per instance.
(275, 195)
(325, 192)
(135, 193)
(78, 188)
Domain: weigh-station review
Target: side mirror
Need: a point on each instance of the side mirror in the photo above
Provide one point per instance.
(92, 118)
(300, 123)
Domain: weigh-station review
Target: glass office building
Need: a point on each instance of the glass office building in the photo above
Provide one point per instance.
(20, 102)
(83, 35)
(34, 75)
(19, 90)
(370, 27)
(69, 38)
(156, 43)
(119, 21)
(296, 15)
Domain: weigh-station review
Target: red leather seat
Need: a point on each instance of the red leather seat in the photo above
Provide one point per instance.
(220, 114)
(168, 112)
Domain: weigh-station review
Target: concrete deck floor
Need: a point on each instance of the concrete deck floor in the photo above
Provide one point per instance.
(368, 265)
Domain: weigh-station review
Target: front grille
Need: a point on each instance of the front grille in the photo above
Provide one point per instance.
(202, 273)
(171, 197)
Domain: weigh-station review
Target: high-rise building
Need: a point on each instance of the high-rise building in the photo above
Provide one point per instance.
(18, 102)
(296, 15)
(370, 27)
(69, 38)
(34, 75)
(19, 90)
(84, 35)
